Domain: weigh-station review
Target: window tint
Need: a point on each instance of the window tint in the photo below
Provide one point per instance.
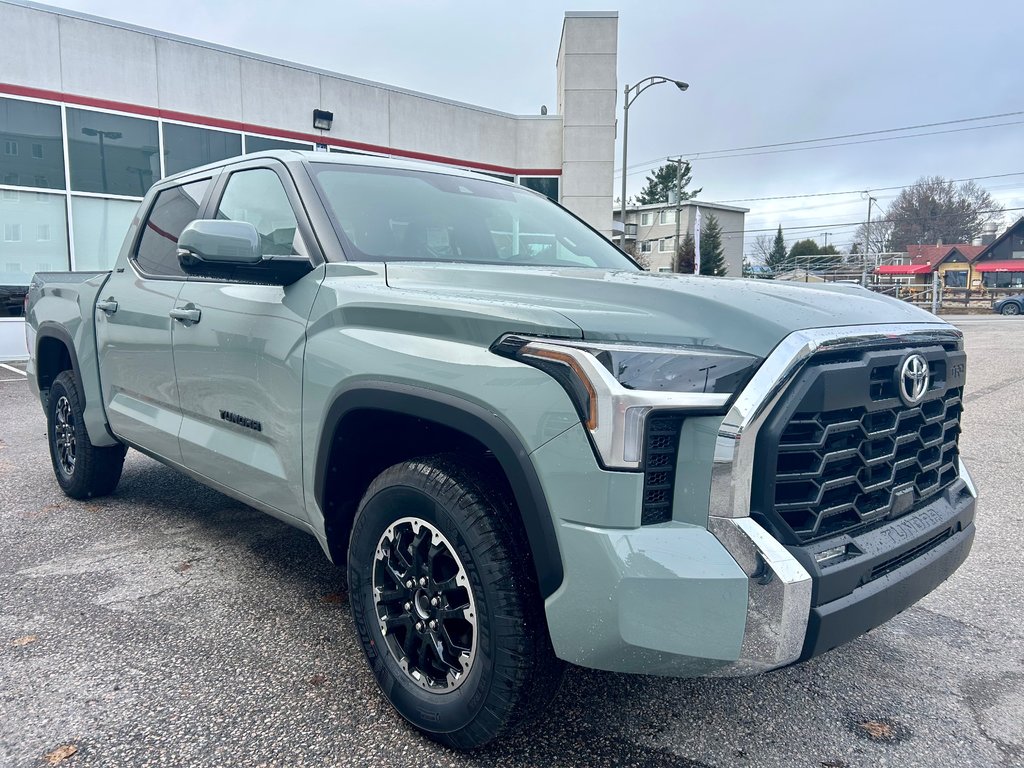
(98, 230)
(546, 185)
(186, 147)
(33, 148)
(173, 209)
(258, 197)
(112, 153)
(24, 217)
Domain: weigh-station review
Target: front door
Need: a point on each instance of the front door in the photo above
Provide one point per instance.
(239, 355)
(133, 326)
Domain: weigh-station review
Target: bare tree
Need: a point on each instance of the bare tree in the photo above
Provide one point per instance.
(880, 238)
(761, 248)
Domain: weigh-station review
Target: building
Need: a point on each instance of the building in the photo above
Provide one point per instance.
(916, 267)
(93, 111)
(652, 229)
(999, 267)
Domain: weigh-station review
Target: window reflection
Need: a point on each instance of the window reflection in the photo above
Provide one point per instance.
(186, 147)
(33, 236)
(31, 144)
(112, 154)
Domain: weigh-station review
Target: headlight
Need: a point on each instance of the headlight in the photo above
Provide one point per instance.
(614, 386)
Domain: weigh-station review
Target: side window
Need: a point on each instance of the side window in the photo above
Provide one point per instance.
(172, 211)
(258, 197)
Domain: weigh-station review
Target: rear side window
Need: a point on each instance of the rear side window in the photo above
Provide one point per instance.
(173, 210)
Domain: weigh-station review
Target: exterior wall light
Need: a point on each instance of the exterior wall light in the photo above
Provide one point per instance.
(322, 119)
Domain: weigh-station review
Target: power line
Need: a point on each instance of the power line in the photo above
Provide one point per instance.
(647, 163)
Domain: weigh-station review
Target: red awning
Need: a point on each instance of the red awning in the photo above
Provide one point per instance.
(904, 269)
(1013, 265)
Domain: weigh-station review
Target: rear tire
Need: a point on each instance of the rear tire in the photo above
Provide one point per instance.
(1010, 308)
(83, 470)
(463, 653)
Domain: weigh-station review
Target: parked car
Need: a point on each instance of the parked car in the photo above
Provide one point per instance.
(1011, 305)
(525, 449)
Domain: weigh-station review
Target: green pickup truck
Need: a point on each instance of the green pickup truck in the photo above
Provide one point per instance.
(525, 450)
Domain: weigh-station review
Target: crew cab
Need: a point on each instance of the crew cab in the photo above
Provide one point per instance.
(525, 450)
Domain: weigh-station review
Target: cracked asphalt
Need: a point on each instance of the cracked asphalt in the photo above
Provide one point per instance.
(168, 625)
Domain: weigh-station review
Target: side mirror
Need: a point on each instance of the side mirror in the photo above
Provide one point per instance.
(219, 242)
(232, 250)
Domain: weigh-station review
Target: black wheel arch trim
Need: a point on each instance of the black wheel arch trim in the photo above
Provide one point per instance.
(477, 422)
(51, 330)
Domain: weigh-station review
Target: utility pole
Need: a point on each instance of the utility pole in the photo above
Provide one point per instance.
(679, 200)
(867, 240)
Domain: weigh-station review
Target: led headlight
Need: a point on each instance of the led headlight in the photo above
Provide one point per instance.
(614, 386)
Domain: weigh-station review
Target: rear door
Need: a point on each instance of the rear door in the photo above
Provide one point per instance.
(239, 365)
(133, 325)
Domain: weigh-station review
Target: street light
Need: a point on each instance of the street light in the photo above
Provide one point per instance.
(113, 136)
(630, 96)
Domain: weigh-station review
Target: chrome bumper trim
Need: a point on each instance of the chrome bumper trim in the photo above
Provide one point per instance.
(779, 588)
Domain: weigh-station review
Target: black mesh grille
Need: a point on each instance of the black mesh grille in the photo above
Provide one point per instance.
(845, 468)
(660, 453)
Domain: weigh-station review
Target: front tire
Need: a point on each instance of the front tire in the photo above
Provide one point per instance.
(446, 603)
(1011, 308)
(83, 470)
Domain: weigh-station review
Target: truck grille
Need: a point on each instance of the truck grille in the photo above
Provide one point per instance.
(661, 451)
(853, 464)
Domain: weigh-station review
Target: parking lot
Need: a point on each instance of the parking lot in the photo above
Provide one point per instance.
(169, 625)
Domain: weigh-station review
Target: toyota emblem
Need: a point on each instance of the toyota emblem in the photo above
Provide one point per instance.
(913, 379)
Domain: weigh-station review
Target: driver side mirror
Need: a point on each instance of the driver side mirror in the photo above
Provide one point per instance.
(221, 249)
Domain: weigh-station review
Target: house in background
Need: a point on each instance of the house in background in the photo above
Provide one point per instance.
(952, 262)
(999, 267)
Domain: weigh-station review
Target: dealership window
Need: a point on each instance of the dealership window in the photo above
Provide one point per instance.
(172, 211)
(955, 278)
(38, 125)
(186, 147)
(262, 143)
(546, 185)
(112, 154)
(23, 251)
(99, 226)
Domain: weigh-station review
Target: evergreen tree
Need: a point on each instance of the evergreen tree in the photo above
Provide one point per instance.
(712, 251)
(776, 259)
(662, 181)
(685, 255)
(809, 255)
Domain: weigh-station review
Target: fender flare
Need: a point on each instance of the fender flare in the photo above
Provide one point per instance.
(52, 330)
(487, 428)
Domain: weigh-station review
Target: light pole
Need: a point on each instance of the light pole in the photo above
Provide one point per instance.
(630, 93)
(113, 136)
(867, 240)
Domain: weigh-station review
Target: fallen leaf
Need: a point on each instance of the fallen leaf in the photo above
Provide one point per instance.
(878, 731)
(60, 754)
(21, 642)
(317, 680)
(182, 567)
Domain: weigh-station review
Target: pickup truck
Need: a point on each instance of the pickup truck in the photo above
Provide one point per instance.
(525, 450)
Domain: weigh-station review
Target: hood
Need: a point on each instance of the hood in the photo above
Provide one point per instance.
(751, 316)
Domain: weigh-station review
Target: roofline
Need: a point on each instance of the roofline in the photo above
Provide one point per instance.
(260, 57)
(684, 204)
(994, 243)
(581, 15)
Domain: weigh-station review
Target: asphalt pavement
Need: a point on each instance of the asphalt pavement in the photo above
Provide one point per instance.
(168, 625)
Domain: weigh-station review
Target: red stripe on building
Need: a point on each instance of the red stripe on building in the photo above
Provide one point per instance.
(280, 133)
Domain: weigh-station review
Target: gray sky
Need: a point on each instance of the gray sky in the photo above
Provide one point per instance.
(760, 73)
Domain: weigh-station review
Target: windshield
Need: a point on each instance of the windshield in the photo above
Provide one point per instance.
(388, 214)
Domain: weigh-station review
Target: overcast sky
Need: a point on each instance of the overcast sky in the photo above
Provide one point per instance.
(760, 73)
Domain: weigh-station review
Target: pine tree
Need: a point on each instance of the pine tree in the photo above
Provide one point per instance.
(685, 255)
(663, 181)
(777, 258)
(712, 252)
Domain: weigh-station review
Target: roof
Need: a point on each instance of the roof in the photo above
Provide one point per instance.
(683, 204)
(933, 255)
(1008, 233)
(1009, 265)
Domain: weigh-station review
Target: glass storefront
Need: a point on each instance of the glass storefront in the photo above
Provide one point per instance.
(31, 145)
(112, 154)
(33, 238)
(99, 226)
(187, 147)
(262, 143)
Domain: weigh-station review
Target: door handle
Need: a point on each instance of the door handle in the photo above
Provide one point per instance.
(109, 306)
(189, 315)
